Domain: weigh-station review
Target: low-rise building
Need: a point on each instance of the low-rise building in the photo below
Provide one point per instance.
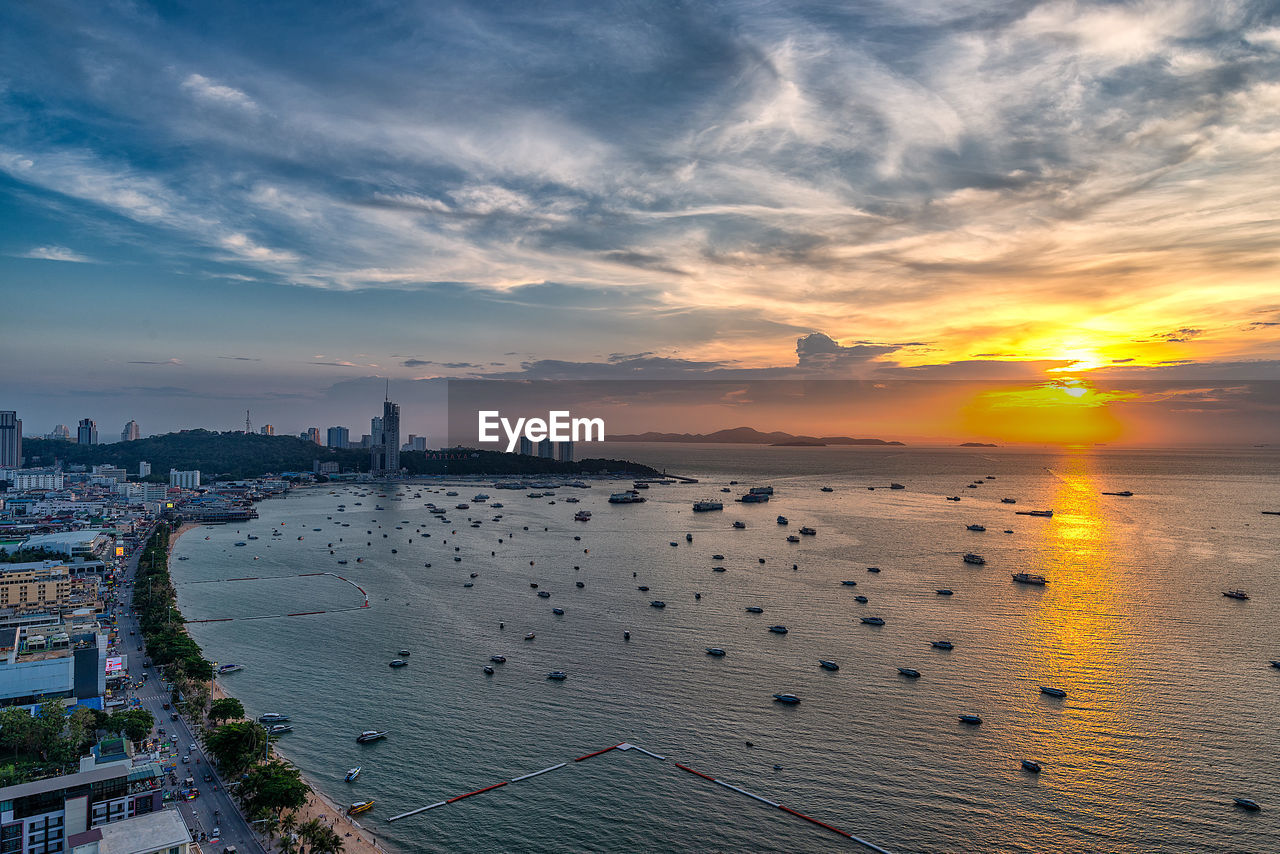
(61, 661)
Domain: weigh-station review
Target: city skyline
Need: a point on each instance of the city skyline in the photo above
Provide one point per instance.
(1025, 191)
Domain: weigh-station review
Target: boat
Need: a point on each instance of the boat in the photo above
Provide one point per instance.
(809, 532)
(674, 544)
(542, 594)
(342, 562)
(1235, 594)
(755, 609)
(953, 497)
(715, 651)
(896, 486)
(827, 489)
(397, 662)
(975, 528)
(657, 603)
(753, 498)
(273, 718)
(783, 520)
(242, 544)
(1247, 803)
(908, 671)
(280, 729)
(873, 621)
(717, 557)
(970, 719)
(793, 539)
(943, 591)
(579, 584)
(229, 668)
(760, 490)
(849, 583)
(1052, 692)
(1030, 578)
(498, 659)
(353, 774)
(371, 735)
(1275, 664)
(529, 636)
(827, 665)
(970, 557)
(789, 699)
(1124, 494)
(739, 524)
(1008, 501)
(778, 630)
(559, 612)
(942, 644)
(873, 569)
(625, 498)
(688, 538)
(479, 496)
(582, 516)
(1031, 765)
(1044, 513)
(643, 588)
(862, 599)
(558, 675)
(707, 505)
(359, 807)
(488, 670)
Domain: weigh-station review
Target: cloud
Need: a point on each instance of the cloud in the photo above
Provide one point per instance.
(206, 90)
(418, 363)
(241, 358)
(56, 253)
(821, 352)
(166, 362)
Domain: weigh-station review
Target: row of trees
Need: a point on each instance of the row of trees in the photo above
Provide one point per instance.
(155, 602)
(51, 742)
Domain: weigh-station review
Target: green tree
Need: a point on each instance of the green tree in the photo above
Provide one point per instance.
(82, 729)
(17, 730)
(50, 720)
(226, 709)
(236, 745)
(133, 724)
(272, 788)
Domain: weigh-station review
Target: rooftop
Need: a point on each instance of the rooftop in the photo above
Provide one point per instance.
(155, 831)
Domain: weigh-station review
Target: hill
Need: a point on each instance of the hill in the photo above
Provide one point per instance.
(238, 455)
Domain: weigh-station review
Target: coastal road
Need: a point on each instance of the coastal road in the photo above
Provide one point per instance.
(214, 807)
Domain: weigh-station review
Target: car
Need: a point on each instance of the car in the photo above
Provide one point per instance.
(160, 730)
(217, 831)
(208, 778)
(173, 716)
(164, 706)
(130, 631)
(186, 760)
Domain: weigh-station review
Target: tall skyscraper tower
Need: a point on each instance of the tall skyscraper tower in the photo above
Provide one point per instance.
(10, 440)
(385, 454)
(131, 432)
(338, 437)
(87, 433)
(566, 452)
(547, 449)
(526, 446)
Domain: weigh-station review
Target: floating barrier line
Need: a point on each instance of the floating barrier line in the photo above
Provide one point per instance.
(365, 604)
(624, 746)
(536, 773)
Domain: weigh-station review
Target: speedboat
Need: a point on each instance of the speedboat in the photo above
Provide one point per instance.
(371, 735)
(488, 669)
(873, 621)
(353, 774)
(715, 651)
(1052, 692)
(970, 557)
(717, 557)
(529, 636)
(359, 807)
(558, 675)
(1008, 501)
(849, 583)
(717, 569)
(873, 569)
(1031, 765)
(273, 718)
(542, 594)
(559, 612)
(778, 630)
(674, 544)
(229, 668)
(862, 599)
(783, 520)
(942, 644)
(280, 729)
(739, 524)
(643, 588)
(1235, 594)
(1029, 578)
(827, 489)
(754, 609)
(789, 699)
(397, 662)
(827, 665)
(657, 603)
(970, 719)
(944, 591)
(907, 671)
(975, 528)
(1247, 803)
(498, 659)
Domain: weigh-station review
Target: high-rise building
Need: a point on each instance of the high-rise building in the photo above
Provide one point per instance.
(566, 452)
(62, 432)
(547, 449)
(10, 440)
(415, 443)
(339, 437)
(312, 435)
(144, 469)
(87, 433)
(267, 430)
(385, 455)
(526, 446)
(131, 432)
(184, 479)
(375, 429)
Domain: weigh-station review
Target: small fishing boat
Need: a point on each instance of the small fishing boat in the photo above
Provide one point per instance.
(1247, 803)
(970, 719)
(827, 665)
(944, 591)
(942, 644)
(782, 520)
(1029, 578)
(529, 636)
(827, 489)
(1052, 692)
(873, 569)
(1235, 594)
(789, 699)
(975, 527)
(559, 612)
(657, 603)
(778, 630)
(717, 569)
(863, 599)
(739, 524)
(970, 557)
(353, 774)
(498, 659)
(371, 735)
(717, 557)
(754, 609)
(908, 671)
(793, 539)
(849, 583)
(488, 670)
(1031, 765)
(715, 651)
(397, 662)
(873, 621)
(809, 532)
(542, 594)
(557, 675)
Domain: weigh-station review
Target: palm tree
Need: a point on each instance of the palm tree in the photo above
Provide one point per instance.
(287, 826)
(311, 832)
(329, 842)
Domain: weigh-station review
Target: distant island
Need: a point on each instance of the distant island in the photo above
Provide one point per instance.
(978, 445)
(748, 436)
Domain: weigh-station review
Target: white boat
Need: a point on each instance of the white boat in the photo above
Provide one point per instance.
(371, 735)
(229, 668)
(353, 774)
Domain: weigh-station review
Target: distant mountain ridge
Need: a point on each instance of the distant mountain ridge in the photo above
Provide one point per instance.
(746, 436)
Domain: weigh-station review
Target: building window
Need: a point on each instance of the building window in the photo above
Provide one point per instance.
(11, 838)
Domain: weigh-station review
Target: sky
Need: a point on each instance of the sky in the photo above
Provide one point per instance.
(207, 208)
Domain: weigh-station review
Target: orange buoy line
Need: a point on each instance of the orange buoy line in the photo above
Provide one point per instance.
(625, 746)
